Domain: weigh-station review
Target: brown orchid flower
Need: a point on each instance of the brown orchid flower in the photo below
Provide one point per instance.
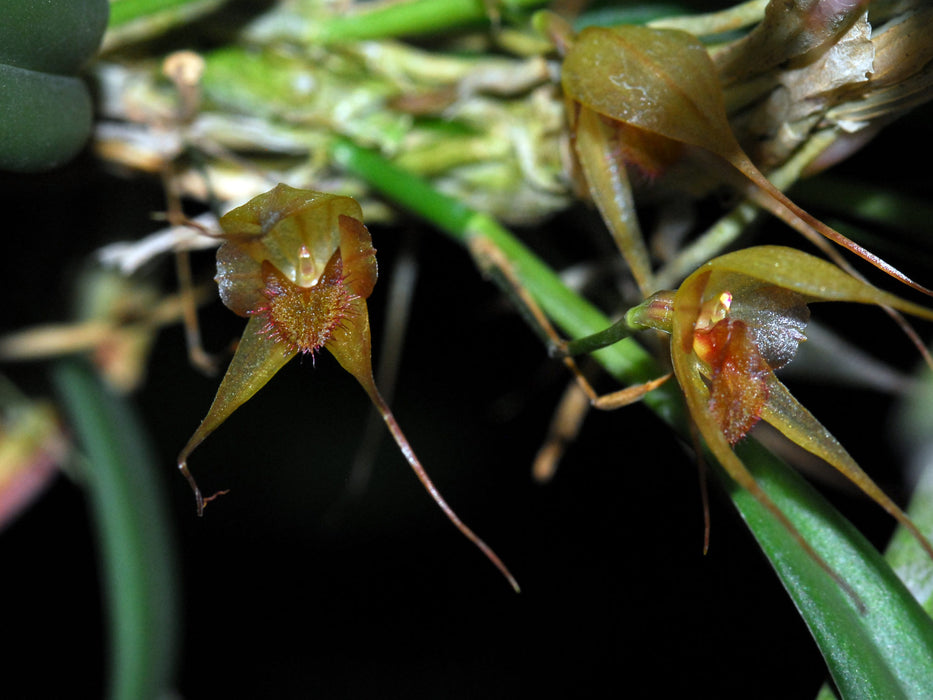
(300, 265)
(735, 321)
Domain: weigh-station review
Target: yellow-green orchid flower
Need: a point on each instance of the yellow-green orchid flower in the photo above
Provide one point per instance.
(733, 322)
(300, 265)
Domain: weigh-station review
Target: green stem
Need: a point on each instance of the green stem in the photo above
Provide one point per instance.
(412, 18)
(137, 20)
(136, 550)
(125, 11)
(601, 339)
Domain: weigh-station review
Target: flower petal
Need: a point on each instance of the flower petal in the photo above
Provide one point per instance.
(257, 359)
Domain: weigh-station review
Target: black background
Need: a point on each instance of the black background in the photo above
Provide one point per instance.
(289, 589)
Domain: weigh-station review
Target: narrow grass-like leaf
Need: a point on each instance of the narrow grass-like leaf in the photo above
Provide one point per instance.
(135, 546)
(915, 430)
(882, 651)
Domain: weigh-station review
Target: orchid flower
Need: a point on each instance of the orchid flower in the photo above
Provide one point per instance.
(735, 321)
(300, 265)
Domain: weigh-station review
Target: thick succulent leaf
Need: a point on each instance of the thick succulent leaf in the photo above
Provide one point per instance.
(46, 113)
(57, 36)
(45, 119)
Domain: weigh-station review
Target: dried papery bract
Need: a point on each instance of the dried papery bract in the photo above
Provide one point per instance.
(654, 88)
(300, 265)
(733, 322)
(788, 31)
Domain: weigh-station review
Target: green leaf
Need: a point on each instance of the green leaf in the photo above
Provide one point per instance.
(136, 550)
(45, 112)
(44, 119)
(55, 36)
(884, 650)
